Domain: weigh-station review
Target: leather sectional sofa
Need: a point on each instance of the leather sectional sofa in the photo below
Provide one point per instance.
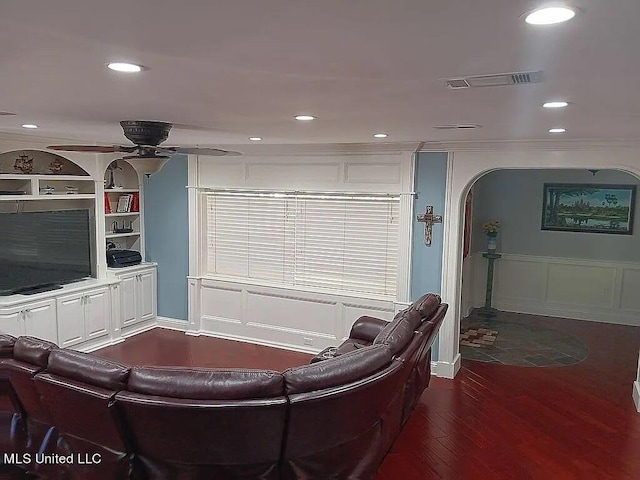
(335, 418)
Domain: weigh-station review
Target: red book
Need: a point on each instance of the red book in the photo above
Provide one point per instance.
(107, 204)
(135, 202)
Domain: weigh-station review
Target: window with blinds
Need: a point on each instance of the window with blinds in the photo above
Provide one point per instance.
(337, 242)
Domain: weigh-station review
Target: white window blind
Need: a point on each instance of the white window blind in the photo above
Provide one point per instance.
(339, 242)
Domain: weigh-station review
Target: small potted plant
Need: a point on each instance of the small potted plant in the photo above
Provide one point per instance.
(491, 231)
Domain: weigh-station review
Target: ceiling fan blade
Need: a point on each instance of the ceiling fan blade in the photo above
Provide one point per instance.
(213, 152)
(94, 148)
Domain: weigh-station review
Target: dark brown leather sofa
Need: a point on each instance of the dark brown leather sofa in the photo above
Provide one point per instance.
(335, 418)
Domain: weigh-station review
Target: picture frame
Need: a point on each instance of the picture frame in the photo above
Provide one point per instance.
(124, 202)
(590, 208)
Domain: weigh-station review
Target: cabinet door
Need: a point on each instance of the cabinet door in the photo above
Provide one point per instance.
(128, 300)
(97, 313)
(11, 322)
(70, 311)
(40, 320)
(147, 295)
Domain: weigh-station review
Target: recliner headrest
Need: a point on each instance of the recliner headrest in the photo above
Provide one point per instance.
(339, 370)
(6, 345)
(426, 305)
(33, 350)
(206, 383)
(88, 368)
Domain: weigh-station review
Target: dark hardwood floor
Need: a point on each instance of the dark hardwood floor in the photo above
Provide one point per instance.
(506, 422)
(170, 347)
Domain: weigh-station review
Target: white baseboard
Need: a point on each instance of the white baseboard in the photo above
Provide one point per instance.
(447, 369)
(567, 311)
(636, 395)
(93, 346)
(257, 341)
(131, 330)
(172, 324)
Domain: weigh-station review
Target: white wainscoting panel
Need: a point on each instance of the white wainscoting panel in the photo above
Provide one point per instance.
(271, 173)
(531, 275)
(373, 173)
(559, 287)
(581, 285)
(267, 309)
(630, 292)
(298, 320)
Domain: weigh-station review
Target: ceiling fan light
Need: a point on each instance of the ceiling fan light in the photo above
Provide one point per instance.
(550, 16)
(124, 67)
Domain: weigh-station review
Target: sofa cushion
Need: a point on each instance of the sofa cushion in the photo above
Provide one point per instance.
(339, 370)
(89, 369)
(33, 350)
(6, 345)
(426, 305)
(206, 383)
(398, 333)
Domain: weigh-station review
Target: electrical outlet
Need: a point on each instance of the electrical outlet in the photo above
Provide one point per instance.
(307, 341)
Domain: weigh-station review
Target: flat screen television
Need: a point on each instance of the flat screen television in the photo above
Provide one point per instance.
(41, 250)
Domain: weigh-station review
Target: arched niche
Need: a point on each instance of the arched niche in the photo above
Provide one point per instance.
(120, 174)
(37, 162)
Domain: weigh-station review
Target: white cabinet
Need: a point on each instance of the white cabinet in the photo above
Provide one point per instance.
(37, 319)
(83, 316)
(138, 301)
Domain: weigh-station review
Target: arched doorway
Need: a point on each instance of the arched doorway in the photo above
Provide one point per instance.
(464, 168)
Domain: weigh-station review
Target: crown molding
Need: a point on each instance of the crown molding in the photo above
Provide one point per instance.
(377, 148)
(532, 145)
(36, 139)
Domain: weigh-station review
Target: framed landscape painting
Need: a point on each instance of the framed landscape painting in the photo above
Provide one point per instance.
(579, 207)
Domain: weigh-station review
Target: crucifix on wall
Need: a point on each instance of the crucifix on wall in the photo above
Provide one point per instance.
(429, 219)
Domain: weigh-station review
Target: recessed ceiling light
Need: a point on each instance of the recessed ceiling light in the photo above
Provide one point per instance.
(255, 139)
(380, 135)
(557, 130)
(29, 125)
(124, 67)
(305, 118)
(550, 16)
(555, 104)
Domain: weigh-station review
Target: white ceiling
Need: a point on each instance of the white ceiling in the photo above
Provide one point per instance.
(238, 68)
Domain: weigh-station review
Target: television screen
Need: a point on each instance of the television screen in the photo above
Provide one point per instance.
(43, 248)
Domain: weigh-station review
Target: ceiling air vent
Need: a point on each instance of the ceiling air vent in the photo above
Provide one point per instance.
(462, 126)
(496, 80)
(457, 83)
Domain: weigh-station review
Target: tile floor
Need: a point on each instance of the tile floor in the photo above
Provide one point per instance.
(520, 341)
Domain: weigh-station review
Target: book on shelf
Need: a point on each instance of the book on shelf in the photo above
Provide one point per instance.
(107, 204)
(135, 202)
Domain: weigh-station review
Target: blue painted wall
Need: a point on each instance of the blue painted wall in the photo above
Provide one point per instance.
(166, 223)
(426, 262)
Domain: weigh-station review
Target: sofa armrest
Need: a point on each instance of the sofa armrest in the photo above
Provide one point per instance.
(367, 328)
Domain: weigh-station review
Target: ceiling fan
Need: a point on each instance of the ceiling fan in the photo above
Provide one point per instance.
(147, 137)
